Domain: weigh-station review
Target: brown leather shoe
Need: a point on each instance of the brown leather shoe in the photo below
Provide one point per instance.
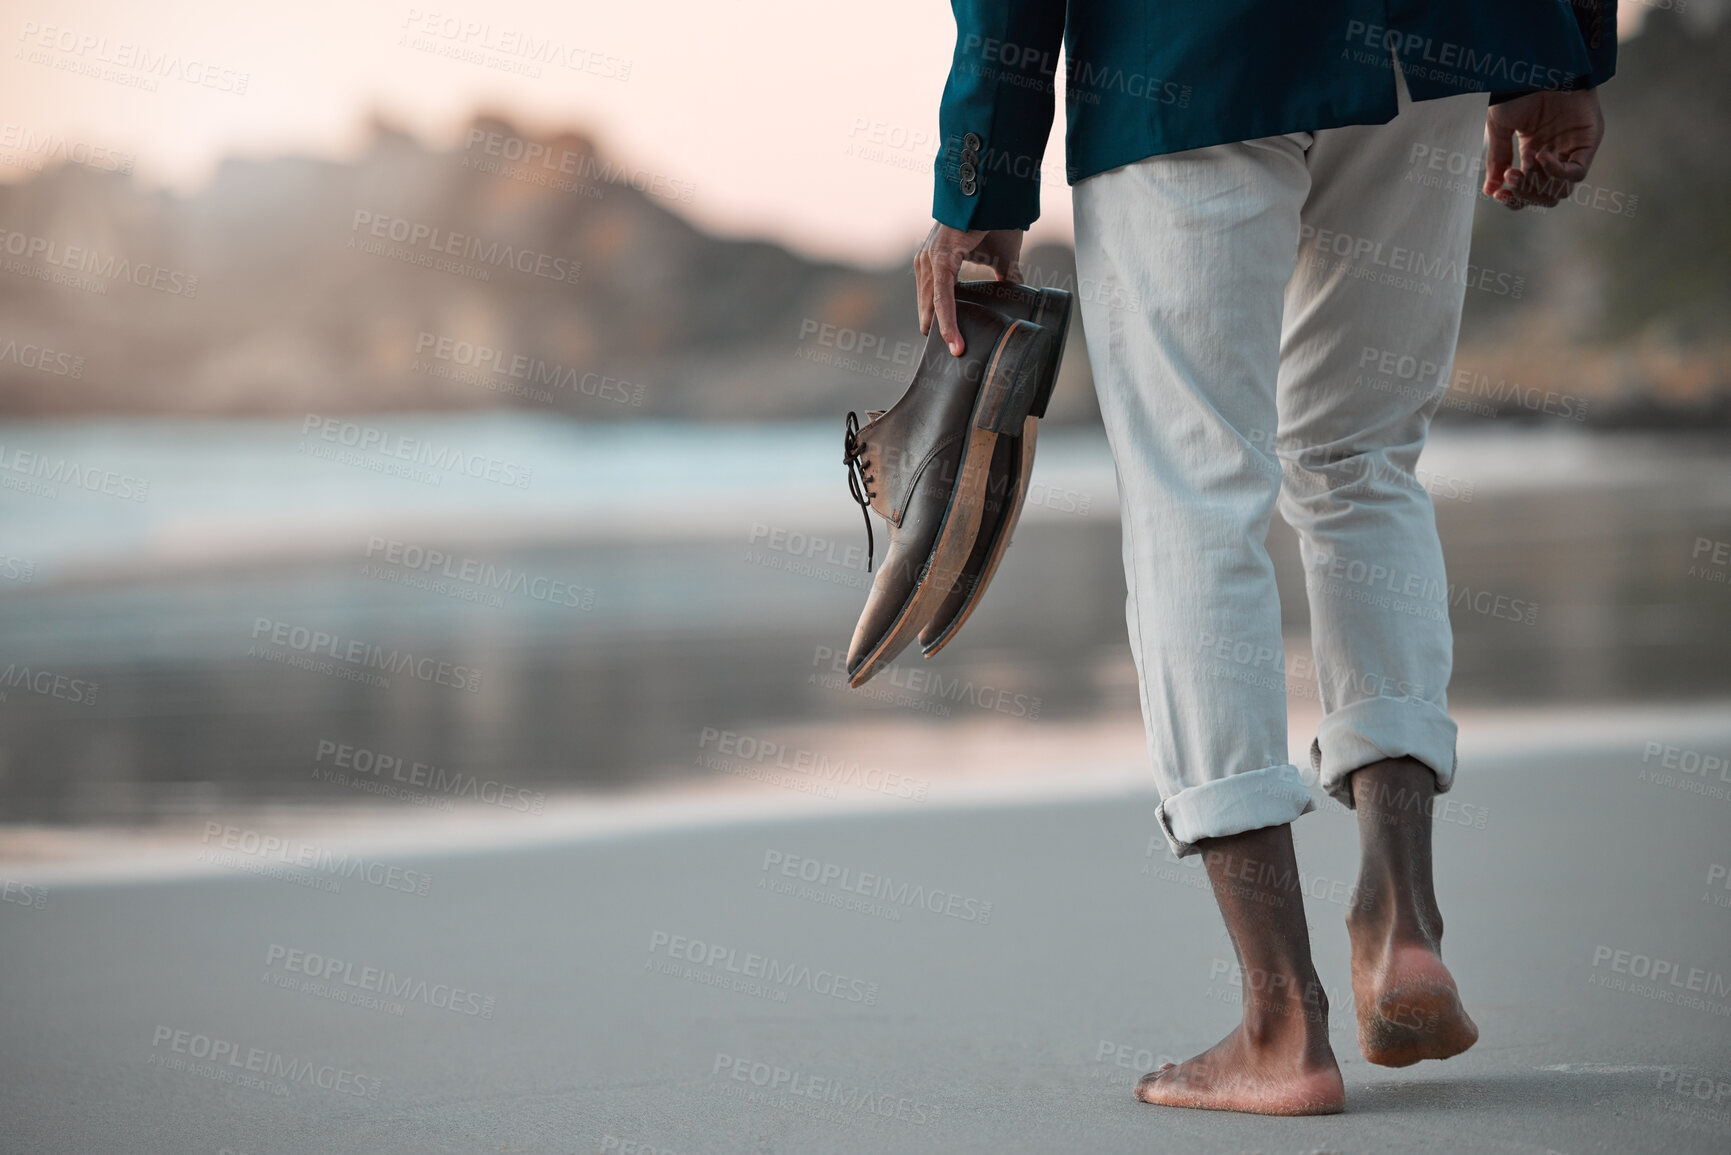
(923, 466)
(1012, 461)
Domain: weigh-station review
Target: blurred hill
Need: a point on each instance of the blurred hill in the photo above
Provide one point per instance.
(1629, 285)
(536, 272)
(294, 285)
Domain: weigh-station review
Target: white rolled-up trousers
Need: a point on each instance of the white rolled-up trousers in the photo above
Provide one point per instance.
(1273, 322)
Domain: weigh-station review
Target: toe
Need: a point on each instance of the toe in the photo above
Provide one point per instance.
(1145, 1085)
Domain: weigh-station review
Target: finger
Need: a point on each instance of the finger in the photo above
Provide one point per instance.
(944, 302)
(1571, 168)
(1531, 178)
(1560, 168)
(923, 288)
(1553, 176)
(1500, 153)
(1508, 192)
(1538, 187)
(923, 279)
(1523, 183)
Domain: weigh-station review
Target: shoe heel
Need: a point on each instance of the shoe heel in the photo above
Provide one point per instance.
(1012, 379)
(1053, 315)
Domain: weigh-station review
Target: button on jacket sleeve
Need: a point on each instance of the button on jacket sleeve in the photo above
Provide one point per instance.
(999, 99)
(1598, 22)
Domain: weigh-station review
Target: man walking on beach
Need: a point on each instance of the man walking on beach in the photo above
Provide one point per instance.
(1259, 182)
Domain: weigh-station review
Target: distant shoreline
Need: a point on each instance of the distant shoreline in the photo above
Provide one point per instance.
(1643, 413)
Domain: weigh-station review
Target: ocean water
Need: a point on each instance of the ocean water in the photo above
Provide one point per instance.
(559, 603)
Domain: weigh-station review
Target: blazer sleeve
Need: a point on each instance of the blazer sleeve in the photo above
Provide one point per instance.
(1598, 23)
(996, 113)
(1597, 20)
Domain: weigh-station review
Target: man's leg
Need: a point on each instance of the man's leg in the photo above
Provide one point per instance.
(1407, 1003)
(1372, 314)
(1183, 264)
(1278, 1061)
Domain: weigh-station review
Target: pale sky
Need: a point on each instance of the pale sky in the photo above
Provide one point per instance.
(805, 121)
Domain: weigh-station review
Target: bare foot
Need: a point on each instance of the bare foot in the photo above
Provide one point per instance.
(1408, 1006)
(1237, 1075)
(1278, 1061)
(1407, 1003)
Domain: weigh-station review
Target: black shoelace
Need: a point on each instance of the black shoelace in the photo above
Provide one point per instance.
(858, 480)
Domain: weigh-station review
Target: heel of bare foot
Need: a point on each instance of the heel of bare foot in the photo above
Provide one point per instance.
(1411, 1010)
(1230, 1077)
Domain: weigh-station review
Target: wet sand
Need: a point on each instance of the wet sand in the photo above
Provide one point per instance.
(774, 972)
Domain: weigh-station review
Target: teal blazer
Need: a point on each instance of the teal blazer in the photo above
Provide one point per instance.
(1144, 77)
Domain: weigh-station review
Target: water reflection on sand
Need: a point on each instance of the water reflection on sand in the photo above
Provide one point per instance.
(499, 671)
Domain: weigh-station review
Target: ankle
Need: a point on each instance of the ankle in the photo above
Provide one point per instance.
(1294, 1015)
(1394, 898)
(1385, 926)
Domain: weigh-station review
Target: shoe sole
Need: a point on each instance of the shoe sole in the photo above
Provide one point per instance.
(1006, 394)
(1000, 543)
(1053, 314)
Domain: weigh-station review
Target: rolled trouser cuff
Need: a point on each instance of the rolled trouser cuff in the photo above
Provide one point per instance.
(1249, 801)
(1373, 729)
